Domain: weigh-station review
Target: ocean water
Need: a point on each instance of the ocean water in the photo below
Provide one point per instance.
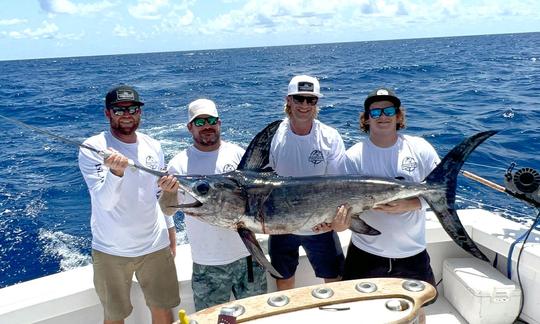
(451, 88)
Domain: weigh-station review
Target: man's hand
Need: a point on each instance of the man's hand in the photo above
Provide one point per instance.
(341, 221)
(400, 206)
(322, 228)
(116, 162)
(168, 184)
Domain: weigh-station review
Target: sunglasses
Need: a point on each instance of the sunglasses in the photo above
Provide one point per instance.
(199, 121)
(121, 111)
(377, 112)
(300, 99)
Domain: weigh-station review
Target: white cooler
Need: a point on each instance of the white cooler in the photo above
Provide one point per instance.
(480, 292)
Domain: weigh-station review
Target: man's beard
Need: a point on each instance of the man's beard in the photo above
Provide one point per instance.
(207, 141)
(123, 129)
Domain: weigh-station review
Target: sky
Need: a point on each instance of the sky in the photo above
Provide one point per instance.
(65, 28)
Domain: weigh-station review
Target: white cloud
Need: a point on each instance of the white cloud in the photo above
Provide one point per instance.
(68, 7)
(258, 16)
(186, 19)
(303, 16)
(11, 22)
(122, 31)
(48, 30)
(148, 9)
(58, 6)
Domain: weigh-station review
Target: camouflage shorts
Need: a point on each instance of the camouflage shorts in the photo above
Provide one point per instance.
(212, 284)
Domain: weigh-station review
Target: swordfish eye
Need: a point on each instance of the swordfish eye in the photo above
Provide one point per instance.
(201, 187)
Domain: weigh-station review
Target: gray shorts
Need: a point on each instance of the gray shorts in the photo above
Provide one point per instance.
(155, 272)
(212, 284)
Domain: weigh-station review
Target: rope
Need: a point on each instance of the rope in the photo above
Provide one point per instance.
(522, 302)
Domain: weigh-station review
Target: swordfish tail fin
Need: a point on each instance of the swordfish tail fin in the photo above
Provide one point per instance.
(443, 202)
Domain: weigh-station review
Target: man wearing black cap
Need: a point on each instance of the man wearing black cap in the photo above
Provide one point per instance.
(400, 250)
(130, 234)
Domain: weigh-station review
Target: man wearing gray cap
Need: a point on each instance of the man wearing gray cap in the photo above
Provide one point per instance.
(130, 234)
(220, 258)
(304, 146)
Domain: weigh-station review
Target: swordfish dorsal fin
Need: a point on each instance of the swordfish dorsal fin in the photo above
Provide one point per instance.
(256, 156)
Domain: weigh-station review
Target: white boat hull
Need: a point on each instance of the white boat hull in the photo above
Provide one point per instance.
(69, 297)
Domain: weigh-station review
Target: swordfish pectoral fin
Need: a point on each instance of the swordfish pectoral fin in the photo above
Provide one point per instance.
(359, 226)
(251, 243)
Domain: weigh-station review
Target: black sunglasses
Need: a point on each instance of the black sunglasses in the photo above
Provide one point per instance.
(377, 112)
(309, 99)
(121, 110)
(199, 121)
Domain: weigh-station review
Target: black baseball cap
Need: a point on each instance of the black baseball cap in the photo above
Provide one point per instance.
(381, 94)
(122, 93)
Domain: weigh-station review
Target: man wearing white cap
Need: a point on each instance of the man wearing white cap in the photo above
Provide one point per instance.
(220, 258)
(303, 146)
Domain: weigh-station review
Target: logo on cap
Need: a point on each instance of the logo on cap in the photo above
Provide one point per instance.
(382, 92)
(125, 95)
(305, 86)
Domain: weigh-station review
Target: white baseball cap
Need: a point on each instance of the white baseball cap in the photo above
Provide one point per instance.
(201, 107)
(304, 85)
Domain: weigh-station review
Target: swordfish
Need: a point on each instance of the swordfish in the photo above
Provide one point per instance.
(253, 199)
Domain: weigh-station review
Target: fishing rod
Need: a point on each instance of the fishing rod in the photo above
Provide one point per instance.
(523, 184)
(103, 153)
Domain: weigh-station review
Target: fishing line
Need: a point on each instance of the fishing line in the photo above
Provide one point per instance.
(514, 214)
(486, 166)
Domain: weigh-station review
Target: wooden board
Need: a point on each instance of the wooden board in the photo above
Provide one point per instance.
(344, 293)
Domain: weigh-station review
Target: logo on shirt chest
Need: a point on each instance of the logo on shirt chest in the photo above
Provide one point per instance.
(316, 157)
(409, 164)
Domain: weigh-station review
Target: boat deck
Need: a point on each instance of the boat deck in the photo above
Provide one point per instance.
(443, 312)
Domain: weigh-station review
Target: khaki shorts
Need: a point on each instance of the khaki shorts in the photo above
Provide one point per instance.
(155, 272)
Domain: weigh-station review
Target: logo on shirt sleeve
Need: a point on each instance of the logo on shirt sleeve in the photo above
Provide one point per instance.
(100, 172)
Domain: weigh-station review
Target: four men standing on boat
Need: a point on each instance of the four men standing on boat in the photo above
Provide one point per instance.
(133, 235)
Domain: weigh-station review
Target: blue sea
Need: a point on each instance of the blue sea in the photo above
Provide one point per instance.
(451, 87)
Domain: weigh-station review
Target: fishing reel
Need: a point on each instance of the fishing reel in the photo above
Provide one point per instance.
(523, 184)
